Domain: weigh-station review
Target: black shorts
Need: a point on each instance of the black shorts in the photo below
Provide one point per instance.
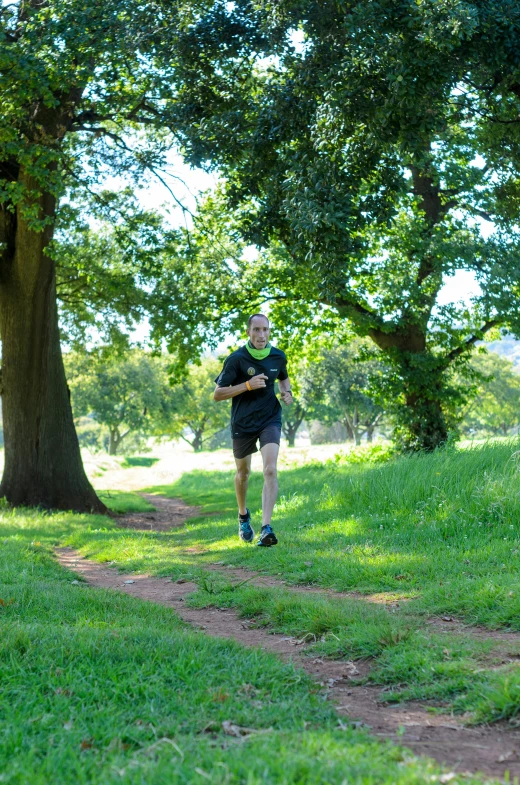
(246, 445)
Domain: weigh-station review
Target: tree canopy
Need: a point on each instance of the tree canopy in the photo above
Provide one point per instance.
(127, 394)
(364, 144)
(195, 416)
(88, 92)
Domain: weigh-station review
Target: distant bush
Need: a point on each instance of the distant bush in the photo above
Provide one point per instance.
(370, 453)
(320, 433)
(137, 460)
(219, 440)
(90, 434)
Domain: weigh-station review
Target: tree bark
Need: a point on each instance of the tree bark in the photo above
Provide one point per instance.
(197, 441)
(113, 443)
(42, 457)
(290, 426)
(290, 435)
(426, 424)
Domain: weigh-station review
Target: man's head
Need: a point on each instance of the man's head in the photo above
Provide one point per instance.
(258, 330)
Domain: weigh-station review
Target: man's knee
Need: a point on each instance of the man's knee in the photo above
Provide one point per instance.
(243, 473)
(270, 471)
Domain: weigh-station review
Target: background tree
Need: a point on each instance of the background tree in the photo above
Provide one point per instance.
(496, 408)
(363, 144)
(293, 417)
(193, 414)
(127, 395)
(87, 90)
(337, 387)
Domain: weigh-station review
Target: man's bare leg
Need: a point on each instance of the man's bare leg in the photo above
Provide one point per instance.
(242, 481)
(270, 489)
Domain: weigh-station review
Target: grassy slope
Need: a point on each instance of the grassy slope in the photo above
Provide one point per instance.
(97, 687)
(442, 530)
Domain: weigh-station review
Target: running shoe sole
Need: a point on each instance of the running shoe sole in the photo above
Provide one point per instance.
(267, 540)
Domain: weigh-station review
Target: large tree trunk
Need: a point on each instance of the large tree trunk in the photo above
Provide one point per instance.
(113, 442)
(197, 441)
(42, 457)
(290, 435)
(426, 425)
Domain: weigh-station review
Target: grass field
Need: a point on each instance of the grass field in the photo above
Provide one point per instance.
(96, 688)
(438, 533)
(102, 688)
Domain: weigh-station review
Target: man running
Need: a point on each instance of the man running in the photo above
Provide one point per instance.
(248, 378)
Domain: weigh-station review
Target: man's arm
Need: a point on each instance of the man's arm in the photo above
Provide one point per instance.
(284, 386)
(255, 382)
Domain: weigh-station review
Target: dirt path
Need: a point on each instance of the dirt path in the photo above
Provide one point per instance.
(492, 750)
(172, 513)
(168, 514)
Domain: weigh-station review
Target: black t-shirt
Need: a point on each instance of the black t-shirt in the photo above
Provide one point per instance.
(253, 411)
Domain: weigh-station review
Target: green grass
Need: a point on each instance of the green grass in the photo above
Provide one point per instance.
(479, 678)
(99, 688)
(439, 532)
(443, 529)
(138, 460)
(339, 628)
(125, 501)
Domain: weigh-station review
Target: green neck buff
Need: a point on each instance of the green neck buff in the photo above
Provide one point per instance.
(258, 354)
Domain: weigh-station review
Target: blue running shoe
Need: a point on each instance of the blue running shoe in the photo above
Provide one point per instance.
(245, 531)
(267, 537)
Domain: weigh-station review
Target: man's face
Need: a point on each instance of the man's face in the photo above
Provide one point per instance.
(259, 332)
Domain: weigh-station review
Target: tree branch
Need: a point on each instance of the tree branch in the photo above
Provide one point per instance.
(481, 213)
(472, 341)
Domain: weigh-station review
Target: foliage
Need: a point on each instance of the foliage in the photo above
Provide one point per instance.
(127, 395)
(194, 415)
(363, 145)
(105, 270)
(89, 93)
(86, 83)
(339, 387)
(496, 408)
(371, 453)
(219, 281)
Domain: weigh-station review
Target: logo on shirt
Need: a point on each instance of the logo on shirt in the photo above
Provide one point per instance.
(251, 371)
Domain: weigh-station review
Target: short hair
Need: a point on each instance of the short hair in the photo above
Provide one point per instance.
(254, 317)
